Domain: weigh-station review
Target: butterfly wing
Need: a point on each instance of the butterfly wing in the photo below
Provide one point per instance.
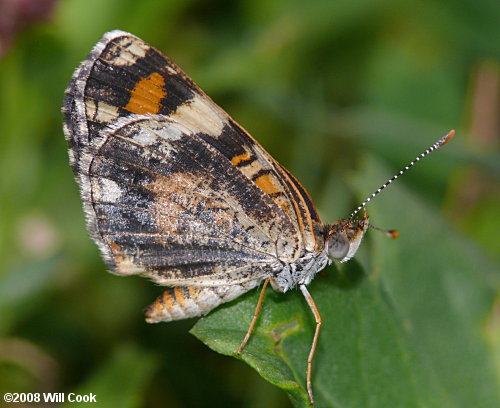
(163, 203)
(173, 188)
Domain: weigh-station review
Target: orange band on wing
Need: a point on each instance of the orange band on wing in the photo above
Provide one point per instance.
(267, 184)
(240, 158)
(147, 95)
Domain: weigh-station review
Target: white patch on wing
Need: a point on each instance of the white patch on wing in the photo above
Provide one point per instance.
(169, 132)
(145, 137)
(106, 113)
(90, 108)
(72, 159)
(100, 111)
(127, 51)
(109, 190)
(156, 136)
(201, 116)
(137, 48)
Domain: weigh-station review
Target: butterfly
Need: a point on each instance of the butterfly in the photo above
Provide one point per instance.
(176, 191)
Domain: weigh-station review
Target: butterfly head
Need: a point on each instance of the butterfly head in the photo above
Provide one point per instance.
(343, 237)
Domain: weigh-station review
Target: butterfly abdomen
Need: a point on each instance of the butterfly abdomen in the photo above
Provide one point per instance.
(182, 302)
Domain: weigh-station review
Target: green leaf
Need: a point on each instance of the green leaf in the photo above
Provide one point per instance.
(405, 334)
(362, 347)
(282, 319)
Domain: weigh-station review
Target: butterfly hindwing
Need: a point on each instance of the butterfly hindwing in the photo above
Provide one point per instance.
(167, 205)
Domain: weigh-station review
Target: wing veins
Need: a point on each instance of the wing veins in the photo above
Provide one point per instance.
(192, 281)
(229, 238)
(250, 220)
(206, 172)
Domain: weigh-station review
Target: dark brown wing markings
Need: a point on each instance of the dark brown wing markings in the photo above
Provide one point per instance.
(160, 213)
(303, 194)
(306, 214)
(239, 147)
(250, 220)
(183, 168)
(243, 152)
(211, 150)
(200, 163)
(218, 234)
(103, 79)
(230, 143)
(106, 84)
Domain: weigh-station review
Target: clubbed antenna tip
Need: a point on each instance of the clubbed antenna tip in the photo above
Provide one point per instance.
(448, 136)
(394, 234)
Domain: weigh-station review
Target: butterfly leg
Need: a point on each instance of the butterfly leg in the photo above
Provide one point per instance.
(317, 317)
(255, 316)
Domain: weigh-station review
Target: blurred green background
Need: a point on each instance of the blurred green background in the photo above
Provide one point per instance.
(326, 87)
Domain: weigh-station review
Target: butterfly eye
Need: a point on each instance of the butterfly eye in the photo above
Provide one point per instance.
(338, 246)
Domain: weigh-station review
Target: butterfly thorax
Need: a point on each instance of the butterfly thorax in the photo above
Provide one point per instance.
(299, 272)
(338, 241)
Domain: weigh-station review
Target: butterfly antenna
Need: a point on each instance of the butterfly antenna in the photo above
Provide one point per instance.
(394, 234)
(441, 142)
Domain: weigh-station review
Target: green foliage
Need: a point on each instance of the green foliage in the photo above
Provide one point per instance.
(343, 93)
(408, 336)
